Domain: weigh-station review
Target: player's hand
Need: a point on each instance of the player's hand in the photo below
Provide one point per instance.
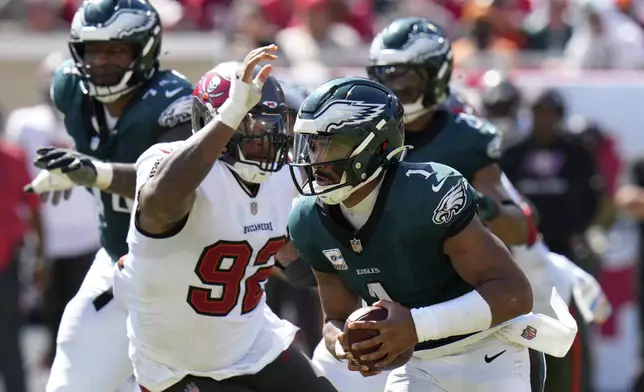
(78, 167)
(52, 186)
(352, 364)
(397, 334)
(253, 58)
(249, 91)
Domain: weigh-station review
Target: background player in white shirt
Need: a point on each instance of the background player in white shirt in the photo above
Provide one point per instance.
(207, 221)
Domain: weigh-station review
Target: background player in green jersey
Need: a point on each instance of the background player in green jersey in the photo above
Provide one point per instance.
(116, 103)
(413, 52)
(413, 58)
(377, 229)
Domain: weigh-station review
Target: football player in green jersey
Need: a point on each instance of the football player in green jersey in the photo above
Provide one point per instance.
(413, 58)
(381, 230)
(116, 103)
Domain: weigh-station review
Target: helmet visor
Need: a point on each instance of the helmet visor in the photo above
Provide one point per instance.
(323, 159)
(407, 82)
(262, 141)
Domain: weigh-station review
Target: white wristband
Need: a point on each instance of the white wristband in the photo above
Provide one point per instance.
(104, 174)
(232, 113)
(468, 313)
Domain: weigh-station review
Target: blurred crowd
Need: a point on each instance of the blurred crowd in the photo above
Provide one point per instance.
(587, 34)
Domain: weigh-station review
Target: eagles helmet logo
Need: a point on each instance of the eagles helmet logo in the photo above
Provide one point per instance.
(452, 203)
(337, 114)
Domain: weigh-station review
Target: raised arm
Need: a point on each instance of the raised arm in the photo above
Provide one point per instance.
(167, 196)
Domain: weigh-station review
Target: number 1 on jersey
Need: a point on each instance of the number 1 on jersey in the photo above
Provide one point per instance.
(377, 291)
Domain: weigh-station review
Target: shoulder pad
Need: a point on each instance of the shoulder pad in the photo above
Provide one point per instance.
(170, 93)
(170, 83)
(302, 207)
(446, 192)
(304, 202)
(177, 112)
(486, 135)
(453, 194)
(159, 150)
(64, 85)
(427, 170)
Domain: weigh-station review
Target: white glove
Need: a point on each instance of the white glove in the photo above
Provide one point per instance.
(241, 99)
(48, 181)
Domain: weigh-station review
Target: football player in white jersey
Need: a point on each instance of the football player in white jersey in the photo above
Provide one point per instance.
(209, 215)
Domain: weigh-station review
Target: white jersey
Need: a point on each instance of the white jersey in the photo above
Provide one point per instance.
(195, 300)
(71, 228)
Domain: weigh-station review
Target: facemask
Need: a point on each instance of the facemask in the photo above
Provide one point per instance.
(248, 172)
(340, 194)
(413, 111)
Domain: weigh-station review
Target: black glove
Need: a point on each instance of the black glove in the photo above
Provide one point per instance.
(78, 167)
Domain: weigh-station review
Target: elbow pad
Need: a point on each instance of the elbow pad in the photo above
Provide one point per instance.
(300, 274)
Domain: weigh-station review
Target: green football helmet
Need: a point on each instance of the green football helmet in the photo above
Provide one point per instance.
(346, 133)
(413, 58)
(134, 23)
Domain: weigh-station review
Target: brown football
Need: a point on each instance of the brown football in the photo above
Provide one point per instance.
(370, 313)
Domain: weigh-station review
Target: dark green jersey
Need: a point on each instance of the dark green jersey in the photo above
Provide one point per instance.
(163, 103)
(462, 141)
(398, 253)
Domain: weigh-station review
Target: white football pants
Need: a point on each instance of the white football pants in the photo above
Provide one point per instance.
(92, 343)
(489, 365)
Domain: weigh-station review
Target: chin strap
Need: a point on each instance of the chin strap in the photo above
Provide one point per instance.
(329, 198)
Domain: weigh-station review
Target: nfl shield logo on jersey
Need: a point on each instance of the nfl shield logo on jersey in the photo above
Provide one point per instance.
(356, 245)
(529, 333)
(253, 208)
(191, 388)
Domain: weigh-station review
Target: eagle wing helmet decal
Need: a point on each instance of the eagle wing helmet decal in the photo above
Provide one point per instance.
(338, 114)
